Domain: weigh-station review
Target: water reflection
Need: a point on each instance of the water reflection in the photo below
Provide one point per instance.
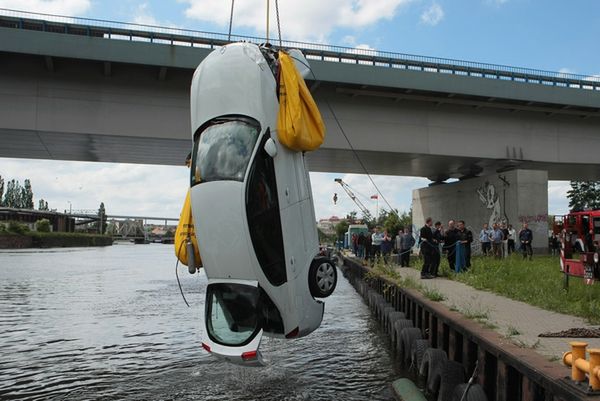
(109, 323)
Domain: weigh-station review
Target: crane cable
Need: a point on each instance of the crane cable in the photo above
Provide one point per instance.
(230, 21)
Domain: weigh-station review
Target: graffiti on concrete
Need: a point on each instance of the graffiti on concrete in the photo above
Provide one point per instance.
(539, 218)
(489, 197)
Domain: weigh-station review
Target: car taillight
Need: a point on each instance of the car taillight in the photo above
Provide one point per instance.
(246, 356)
(206, 347)
(293, 333)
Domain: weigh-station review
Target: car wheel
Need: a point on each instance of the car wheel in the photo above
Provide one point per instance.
(322, 278)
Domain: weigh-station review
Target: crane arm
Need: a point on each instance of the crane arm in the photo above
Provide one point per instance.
(363, 209)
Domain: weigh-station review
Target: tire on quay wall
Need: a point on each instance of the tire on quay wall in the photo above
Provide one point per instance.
(430, 370)
(416, 354)
(475, 393)
(453, 374)
(407, 338)
(393, 317)
(399, 325)
(379, 307)
(384, 316)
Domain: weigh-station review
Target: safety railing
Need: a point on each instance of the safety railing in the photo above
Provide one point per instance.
(194, 38)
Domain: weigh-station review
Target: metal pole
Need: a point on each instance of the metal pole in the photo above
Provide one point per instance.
(268, 1)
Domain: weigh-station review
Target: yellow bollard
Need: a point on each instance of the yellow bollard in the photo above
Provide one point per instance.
(578, 356)
(594, 368)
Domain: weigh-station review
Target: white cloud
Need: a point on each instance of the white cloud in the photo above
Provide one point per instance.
(300, 20)
(557, 197)
(143, 16)
(61, 7)
(433, 15)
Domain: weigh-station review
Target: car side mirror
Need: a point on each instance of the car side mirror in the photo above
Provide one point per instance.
(270, 147)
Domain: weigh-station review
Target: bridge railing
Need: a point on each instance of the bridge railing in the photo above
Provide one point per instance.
(193, 38)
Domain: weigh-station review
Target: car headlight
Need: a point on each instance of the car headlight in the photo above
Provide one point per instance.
(596, 258)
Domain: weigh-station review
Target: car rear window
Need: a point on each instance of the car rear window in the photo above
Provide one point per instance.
(231, 313)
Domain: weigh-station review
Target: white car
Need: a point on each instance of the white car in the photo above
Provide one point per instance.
(252, 204)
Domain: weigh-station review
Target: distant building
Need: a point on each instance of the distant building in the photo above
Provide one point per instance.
(60, 222)
(328, 225)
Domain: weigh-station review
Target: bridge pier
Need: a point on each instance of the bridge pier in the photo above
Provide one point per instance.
(514, 197)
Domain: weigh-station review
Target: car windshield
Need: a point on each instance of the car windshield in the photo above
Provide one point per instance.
(223, 151)
(231, 313)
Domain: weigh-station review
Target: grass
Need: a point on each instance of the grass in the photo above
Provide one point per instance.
(538, 282)
(433, 294)
(512, 331)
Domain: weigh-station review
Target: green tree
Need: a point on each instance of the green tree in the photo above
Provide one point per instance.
(13, 196)
(42, 205)
(351, 217)
(584, 195)
(42, 225)
(27, 195)
(102, 219)
(341, 228)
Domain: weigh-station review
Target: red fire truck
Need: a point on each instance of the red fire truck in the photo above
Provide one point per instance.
(579, 248)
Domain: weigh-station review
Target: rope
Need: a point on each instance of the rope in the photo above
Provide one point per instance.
(278, 23)
(268, 2)
(177, 274)
(230, 21)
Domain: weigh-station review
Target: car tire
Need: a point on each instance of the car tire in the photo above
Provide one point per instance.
(453, 374)
(416, 354)
(399, 325)
(431, 367)
(322, 277)
(475, 393)
(407, 338)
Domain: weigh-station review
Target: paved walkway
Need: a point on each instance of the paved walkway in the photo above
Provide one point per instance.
(514, 319)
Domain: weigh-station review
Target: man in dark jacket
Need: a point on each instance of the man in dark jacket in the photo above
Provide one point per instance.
(438, 240)
(406, 243)
(526, 237)
(450, 239)
(465, 237)
(427, 248)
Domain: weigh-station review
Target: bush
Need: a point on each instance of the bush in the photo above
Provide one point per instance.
(2, 228)
(42, 226)
(17, 228)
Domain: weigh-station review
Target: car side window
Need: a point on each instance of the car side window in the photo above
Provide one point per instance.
(264, 221)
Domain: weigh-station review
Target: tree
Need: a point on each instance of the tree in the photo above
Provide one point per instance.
(1, 191)
(584, 195)
(341, 228)
(27, 195)
(102, 219)
(42, 205)
(13, 196)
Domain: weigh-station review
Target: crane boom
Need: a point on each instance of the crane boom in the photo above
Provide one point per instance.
(363, 209)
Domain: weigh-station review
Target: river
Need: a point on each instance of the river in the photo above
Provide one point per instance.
(110, 323)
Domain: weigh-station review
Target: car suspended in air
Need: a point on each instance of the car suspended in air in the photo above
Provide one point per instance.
(252, 203)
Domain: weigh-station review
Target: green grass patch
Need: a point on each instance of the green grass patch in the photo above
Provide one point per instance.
(433, 294)
(538, 282)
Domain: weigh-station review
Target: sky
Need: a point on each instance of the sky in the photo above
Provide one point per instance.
(547, 35)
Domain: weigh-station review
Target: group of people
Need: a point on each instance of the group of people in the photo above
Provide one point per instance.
(370, 245)
(499, 240)
(455, 243)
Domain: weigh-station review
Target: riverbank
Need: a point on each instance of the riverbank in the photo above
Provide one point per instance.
(52, 240)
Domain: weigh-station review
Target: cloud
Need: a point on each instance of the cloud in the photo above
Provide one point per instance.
(300, 20)
(61, 7)
(496, 2)
(143, 16)
(433, 15)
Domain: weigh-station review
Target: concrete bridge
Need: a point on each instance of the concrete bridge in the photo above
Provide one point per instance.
(89, 90)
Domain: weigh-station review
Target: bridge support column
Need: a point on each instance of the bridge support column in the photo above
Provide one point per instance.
(514, 197)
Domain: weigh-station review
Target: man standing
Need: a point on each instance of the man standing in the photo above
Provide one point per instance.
(450, 239)
(589, 241)
(497, 238)
(526, 236)
(376, 240)
(512, 234)
(386, 246)
(485, 239)
(465, 237)
(438, 240)
(504, 241)
(406, 243)
(427, 248)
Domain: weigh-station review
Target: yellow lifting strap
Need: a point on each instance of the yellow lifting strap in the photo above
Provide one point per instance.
(185, 236)
(299, 123)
